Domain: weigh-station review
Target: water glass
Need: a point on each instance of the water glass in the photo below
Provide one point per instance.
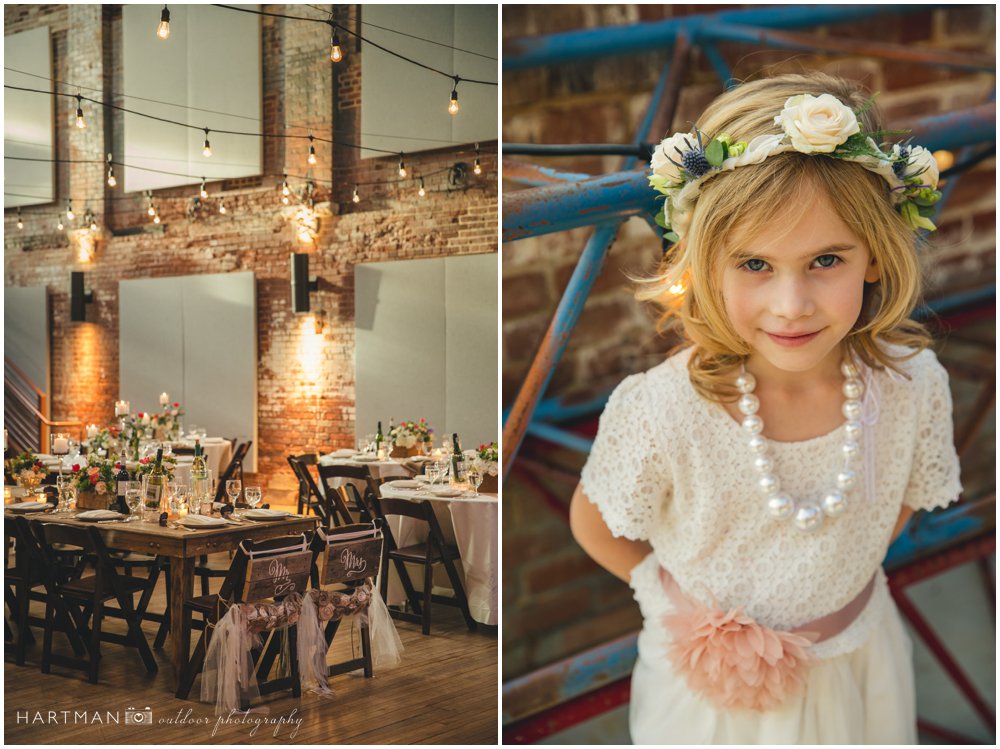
(474, 475)
(233, 487)
(133, 499)
(68, 497)
(252, 495)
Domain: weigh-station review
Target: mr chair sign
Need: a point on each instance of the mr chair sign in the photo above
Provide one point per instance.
(277, 576)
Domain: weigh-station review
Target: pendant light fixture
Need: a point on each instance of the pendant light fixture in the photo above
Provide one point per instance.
(163, 27)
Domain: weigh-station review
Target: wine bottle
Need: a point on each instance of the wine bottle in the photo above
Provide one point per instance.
(199, 469)
(121, 480)
(378, 438)
(456, 456)
(156, 485)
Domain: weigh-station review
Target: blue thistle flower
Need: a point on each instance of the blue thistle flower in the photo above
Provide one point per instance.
(695, 163)
(899, 167)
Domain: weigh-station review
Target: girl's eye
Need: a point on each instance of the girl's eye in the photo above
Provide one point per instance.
(754, 265)
(828, 261)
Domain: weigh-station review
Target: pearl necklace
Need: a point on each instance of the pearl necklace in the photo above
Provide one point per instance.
(806, 514)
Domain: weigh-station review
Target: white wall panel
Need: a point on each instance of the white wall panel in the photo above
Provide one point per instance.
(211, 61)
(28, 119)
(26, 331)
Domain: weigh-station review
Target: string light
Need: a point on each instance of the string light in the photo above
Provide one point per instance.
(59, 223)
(477, 167)
(421, 192)
(150, 211)
(285, 191)
(93, 222)
(80, 122)
(207, 150)
(20, 223)
(111, 173)
(356, 198)
(402, 167)
(69, 211)
(222, 206)
(204, 190)
(154, 213)
(163, 27)
(336, 53)
(312, 151)
(453, 104)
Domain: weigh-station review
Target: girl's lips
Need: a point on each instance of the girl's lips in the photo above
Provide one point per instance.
(793, 340)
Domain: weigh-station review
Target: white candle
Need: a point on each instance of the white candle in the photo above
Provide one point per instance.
(91, 431)
(164, 399)
(60, 446)
(121, 408)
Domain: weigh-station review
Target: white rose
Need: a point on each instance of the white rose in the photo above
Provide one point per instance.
(921, 163)
(757, 150)
(817, 124)
(660, 163)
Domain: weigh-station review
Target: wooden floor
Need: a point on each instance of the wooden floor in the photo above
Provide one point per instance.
(444, 692)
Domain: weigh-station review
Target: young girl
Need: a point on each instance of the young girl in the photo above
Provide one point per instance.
(749, 486)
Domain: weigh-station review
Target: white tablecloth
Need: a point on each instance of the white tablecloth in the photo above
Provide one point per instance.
(218, 452)
(475, 522)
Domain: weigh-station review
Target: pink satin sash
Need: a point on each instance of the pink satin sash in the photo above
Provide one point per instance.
(734, 661)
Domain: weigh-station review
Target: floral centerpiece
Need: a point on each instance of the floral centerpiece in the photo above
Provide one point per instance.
(104, 440)
(168, 464)
(167, 424)
(95, 481)
(28, 471)
(489, 456)
(409, 437)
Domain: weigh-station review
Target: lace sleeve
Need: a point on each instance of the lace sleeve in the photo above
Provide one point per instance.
(624, 476)
(934, 477)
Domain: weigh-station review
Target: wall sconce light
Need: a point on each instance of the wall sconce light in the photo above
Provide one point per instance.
(301, 283)
(79, 298)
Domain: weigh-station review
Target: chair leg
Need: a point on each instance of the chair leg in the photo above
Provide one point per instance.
(411, 593)
(456, 584)
(428, 585)
(294, 658)
(193, 667)
(95, 641)
(23, 630)
(366, 650)
(133, 620)
(161, 633)
(47, 637)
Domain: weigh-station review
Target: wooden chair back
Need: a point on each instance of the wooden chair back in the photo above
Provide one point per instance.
(350, 497)
(273, 568)
(233, 470)
(421, 510)
(349, 554)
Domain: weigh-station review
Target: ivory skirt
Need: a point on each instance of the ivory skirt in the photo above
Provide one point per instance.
(865, 696)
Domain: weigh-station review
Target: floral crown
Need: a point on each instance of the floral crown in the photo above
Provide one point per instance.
(811, 124)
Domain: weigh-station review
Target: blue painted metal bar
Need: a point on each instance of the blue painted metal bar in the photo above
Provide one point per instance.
(560, 437)
(616, 196)
(535, 175)
(811, 43)
(719, 65)
(559, 682)
(526, 52)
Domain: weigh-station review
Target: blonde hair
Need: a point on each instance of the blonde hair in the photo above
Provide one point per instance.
(749, 198)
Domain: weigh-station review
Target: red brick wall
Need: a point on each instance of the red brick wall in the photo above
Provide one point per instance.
(300, 87)
(556, 601)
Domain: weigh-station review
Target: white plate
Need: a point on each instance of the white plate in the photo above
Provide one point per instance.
(201, 521)
(29, 506)
(404, 484)
(421, 479)
(266, 514)
(99, 515)
(445, 491)
(366, 458)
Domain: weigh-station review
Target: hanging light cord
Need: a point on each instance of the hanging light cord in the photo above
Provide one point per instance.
(334, 24)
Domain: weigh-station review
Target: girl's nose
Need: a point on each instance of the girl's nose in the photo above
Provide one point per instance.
(791, 298)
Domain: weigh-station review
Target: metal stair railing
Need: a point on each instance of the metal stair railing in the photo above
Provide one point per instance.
(26, 410)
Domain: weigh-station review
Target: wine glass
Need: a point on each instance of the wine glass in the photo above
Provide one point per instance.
(133, 499)
(233, 487)
(474, 475)
(68, 496)
(252, 495)
(181, 498)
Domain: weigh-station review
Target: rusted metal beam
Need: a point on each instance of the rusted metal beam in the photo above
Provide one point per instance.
(534, 175)
(969, 61)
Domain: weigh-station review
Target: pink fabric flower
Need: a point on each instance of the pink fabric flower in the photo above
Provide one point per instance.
(735, 662)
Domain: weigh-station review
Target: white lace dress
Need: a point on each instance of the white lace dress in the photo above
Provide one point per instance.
(672, 468)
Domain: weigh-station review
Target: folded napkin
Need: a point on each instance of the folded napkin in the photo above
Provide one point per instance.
(404, 484)
(204, 521)
(343, 453)
(99, 515)
(213, 441)
(266, 514)
(29, 506)
(445, 491)
(422, 479)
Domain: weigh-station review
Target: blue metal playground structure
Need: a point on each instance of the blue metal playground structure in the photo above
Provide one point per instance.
(565, 693)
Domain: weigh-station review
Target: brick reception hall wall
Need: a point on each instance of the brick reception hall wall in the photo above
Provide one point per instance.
(556, 601)
(300, 87)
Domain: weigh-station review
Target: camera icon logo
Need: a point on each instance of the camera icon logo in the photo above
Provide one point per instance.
(138, 717)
